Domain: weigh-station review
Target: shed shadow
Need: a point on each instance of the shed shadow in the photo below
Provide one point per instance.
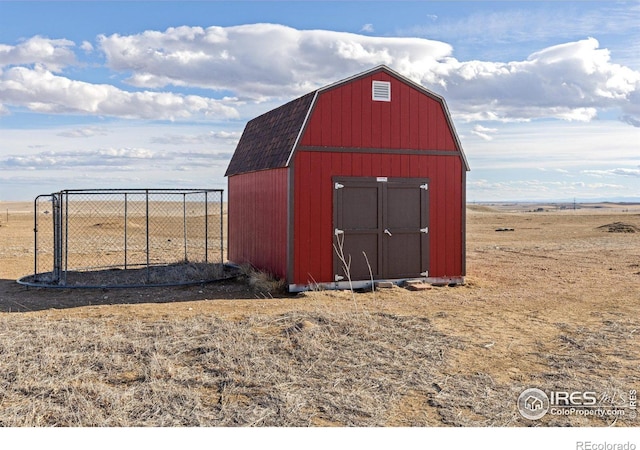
(18, 298)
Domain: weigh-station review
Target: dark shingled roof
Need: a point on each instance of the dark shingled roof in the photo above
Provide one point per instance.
(268, 140)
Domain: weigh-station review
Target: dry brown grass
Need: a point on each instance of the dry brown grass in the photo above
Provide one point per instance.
(263, 283)
(553, 305)
(294, 369)
(619, 227)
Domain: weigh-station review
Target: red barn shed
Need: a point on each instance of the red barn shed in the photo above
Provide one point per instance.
(372, 162)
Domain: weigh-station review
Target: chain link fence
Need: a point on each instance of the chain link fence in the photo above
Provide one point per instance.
(124, 238)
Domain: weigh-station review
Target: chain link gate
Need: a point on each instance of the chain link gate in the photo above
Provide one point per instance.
(127, 238)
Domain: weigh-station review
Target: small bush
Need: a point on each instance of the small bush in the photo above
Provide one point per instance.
(263, 282)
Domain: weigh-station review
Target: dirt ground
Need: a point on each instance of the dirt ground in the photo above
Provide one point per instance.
(552, 301)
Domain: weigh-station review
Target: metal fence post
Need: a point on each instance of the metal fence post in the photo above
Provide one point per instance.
(221, 230)
(35, 237)
(206, 228)
(66, 236)
(184, 224)
(126, 215)
(57, 238)
(147, 232)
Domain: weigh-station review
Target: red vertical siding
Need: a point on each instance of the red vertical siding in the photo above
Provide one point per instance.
(356, 117)
(403, 93)
(258, 220)
(346, 105)
(346, 117)
(313, 206)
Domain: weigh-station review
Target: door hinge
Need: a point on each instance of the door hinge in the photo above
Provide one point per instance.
(338, 278)
(424, 230)
(338, 186)
(424, 274)
(337, 232)
(424, 186)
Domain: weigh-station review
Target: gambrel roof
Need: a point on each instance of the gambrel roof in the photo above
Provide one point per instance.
(268, 141)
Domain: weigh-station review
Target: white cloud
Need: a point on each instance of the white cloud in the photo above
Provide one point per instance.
(575, 114)
(86, 46)
(53, 54)
(571, 81)
(84, 132)
(574, 81)
(557, 170)
(212, 137)
(367, 28)
(261, 59)
(76, 158)
(483, 129)
(631, 120)
(484, 132)
(39, 90)
(124, 158)
(617, 171)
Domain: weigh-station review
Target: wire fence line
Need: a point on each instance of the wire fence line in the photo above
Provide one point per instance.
(127, 237)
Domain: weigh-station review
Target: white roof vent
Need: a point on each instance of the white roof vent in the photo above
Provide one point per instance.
(381, 91)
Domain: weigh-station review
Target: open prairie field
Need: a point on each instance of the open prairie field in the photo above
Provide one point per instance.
(552, 301)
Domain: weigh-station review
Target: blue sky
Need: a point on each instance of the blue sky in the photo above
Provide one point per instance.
(544, 95)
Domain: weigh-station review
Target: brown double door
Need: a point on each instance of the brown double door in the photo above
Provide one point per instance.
(381, 227)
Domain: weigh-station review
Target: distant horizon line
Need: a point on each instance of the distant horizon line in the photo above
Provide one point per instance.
(620, 201)
(633, 201)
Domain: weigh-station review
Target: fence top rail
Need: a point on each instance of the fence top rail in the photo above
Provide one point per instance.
(135, 191)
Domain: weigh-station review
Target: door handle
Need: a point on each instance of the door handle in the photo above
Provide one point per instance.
(388, 232)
